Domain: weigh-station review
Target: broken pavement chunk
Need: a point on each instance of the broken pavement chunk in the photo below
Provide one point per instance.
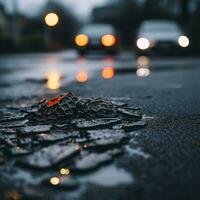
(92, 161)
(118, 103)
(35, 129)
(95, 123)
(13, 117)
(25, 141)
(128, 112)
(68, 106)
(49, 156)
(131, 126)
(8, 139)
(13, 124)
(7, 131)
(104, 133)
(17, 151)
(68, 183)
(114, 152)
(53, 137)
(107, 143)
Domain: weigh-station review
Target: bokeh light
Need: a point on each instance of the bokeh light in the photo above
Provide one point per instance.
(109, 61)
(108, 72)
(77, 147)
(64, 171)
(143, 72)
(143, 61)
(51, 19)
(82, 76)
(183, 41)
(53, 80)
(12, 196)
(81, 40)
(143, 43)
(54, 180)
(108, 40)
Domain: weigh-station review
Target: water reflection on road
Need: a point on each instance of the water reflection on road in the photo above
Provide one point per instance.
(143, 67)
(52, 72)
(53, 79)
(81, 70)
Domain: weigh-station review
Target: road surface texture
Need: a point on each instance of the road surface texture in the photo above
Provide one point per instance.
(155, 156)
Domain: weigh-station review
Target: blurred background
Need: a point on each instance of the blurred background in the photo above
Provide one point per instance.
(26, 26)
(141, 52)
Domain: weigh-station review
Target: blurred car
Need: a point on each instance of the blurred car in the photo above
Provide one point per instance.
(97, 37)
(161, 36)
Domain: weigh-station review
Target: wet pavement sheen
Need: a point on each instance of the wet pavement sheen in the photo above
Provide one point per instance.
(137, 137)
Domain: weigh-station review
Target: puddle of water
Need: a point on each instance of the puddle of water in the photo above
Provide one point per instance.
(109, 176)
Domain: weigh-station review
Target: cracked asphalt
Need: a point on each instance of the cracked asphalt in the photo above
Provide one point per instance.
(160, 161)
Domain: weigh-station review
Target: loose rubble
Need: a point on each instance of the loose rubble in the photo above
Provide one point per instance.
(13, 124)
(35, 129)
(67, 131)
(95, 123)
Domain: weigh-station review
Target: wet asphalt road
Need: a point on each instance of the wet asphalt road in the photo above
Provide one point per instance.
(162, 159)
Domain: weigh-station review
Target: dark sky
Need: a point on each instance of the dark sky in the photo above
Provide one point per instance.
(80, 7)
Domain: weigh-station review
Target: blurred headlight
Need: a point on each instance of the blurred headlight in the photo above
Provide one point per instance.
(183, 41)
(81, 40)
(143, 43)
(108, 40)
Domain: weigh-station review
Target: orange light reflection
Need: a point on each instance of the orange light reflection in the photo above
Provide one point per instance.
(109, 61)
(143, 61)
(12, 196)
(53, 80)
(108, 72)
(82, 76)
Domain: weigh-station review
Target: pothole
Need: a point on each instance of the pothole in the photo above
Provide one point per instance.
(68, 134)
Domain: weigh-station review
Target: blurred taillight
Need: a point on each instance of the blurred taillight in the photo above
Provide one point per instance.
(81, 40)
(108, 40)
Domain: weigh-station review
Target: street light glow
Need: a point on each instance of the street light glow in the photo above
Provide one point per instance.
(51, 19)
